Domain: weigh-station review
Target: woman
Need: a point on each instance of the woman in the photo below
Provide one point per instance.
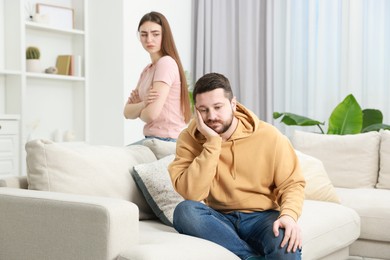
(161, 97)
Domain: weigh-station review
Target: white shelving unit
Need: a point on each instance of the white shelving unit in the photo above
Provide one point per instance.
(9, 145)
(47, 105)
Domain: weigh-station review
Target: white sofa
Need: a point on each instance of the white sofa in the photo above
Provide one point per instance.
(359, 168)
(98, 202)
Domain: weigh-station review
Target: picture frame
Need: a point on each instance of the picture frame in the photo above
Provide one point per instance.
(57, 16)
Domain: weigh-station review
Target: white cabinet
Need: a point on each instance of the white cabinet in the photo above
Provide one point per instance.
(49, 105)
(9, 145)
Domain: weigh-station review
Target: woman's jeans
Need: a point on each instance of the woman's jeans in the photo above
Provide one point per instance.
(167, 139)
(245, 234)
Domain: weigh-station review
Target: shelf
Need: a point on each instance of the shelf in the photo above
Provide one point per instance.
(56, 101)
(9, 117)
(43, 27)
(10, 72)
(53, 76)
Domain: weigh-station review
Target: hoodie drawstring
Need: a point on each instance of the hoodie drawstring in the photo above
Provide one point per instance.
(234, 161)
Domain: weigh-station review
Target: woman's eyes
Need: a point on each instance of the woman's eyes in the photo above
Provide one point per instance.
(144, 35)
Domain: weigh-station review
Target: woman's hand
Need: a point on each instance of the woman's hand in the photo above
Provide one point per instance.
(134, 97)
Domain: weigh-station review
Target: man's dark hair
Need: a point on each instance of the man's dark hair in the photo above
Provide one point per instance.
(212, 81)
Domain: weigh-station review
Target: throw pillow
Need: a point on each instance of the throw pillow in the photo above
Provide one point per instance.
(160, 148)
(384, 168)
(80, 168)
(351, 161)
(318, 184)
(155, 183)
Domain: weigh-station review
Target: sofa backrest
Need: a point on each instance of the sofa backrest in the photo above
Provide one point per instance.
(351, 161)
(81, 168)
(384, 162)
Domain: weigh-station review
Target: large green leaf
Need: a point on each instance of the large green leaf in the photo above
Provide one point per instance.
(294, 119)
(346, 118)
(371, 117)
(375, 127)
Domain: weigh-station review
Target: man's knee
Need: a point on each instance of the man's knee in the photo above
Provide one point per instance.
(186, 212)
(273, 247)
(184, 208)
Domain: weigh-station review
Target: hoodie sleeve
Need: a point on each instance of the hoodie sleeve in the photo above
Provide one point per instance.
(194, 168)
(289, 180)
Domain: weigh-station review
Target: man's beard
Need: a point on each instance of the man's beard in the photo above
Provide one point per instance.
(225, 125)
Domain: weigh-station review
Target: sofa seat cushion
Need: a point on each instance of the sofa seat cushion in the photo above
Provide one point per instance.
(158, 241)
(81, 168)
(373, 206)
(321, 222)
(351, 161)
(327, 228)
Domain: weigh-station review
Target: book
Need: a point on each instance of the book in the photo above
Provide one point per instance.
(71, 66)
(63, 64)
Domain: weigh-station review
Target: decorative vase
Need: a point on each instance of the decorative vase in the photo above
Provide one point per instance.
(33, 65)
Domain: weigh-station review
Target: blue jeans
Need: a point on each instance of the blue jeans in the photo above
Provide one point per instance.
(167, 139)
(245, 234)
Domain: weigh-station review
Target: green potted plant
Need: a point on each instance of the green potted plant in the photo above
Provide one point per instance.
(33, 59)
(346, 118)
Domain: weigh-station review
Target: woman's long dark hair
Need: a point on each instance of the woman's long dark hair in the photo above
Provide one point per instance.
(168, 47)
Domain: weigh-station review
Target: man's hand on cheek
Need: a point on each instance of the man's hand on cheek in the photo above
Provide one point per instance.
(202, 127)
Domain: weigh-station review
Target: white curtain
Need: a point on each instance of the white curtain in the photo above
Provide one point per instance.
(327, 49)
(301, 56)
(231, 38)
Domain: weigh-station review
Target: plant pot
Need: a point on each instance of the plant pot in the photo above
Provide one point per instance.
(33, 65)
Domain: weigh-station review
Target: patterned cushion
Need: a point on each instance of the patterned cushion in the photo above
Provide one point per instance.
(155, 183)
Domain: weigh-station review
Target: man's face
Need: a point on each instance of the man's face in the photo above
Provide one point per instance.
(216, 110)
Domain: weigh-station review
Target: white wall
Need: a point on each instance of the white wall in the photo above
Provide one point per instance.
(117, 59)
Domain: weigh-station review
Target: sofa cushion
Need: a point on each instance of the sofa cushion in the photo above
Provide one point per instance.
(318, 185)
(155, 183)
(80, 168)
(351, 161)
(384, 168)
(326, 228)
(160, 148)
(373, 207)
(158, 241)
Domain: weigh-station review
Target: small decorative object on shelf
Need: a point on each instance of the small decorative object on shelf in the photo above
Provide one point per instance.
(41, 18)
(29, 10)
(51, 70)
(57, 16)
(33, 63)
(33, 53)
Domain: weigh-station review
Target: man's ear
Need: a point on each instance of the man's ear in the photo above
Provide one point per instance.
(234, 103)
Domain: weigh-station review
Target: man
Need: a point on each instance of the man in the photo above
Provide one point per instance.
(239, 176)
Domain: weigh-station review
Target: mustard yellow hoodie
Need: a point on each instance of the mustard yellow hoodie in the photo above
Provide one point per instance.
(256, 169)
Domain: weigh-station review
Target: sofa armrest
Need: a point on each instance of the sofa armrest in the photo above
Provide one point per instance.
(19, 182)
(48, 225)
